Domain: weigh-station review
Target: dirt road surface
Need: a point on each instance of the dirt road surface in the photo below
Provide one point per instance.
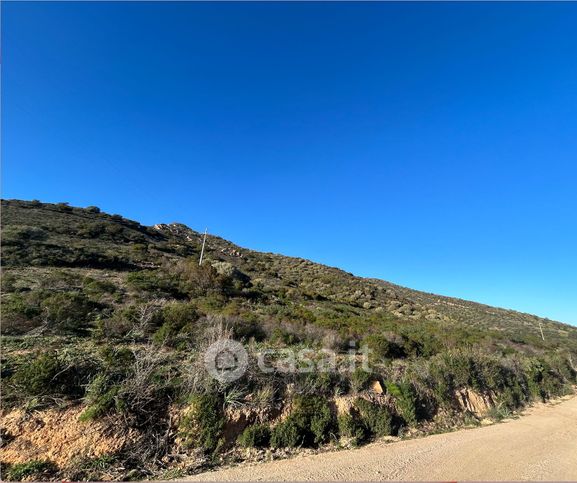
(540, 445)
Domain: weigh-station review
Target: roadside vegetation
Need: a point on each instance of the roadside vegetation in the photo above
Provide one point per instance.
(101, 313)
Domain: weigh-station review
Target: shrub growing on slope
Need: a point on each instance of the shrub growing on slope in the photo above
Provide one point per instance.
(48, 376)
(255, 436)
(406, 400)
(309, 424)
(69, 312)
(376, 419)
(202, 426)
(350, 426)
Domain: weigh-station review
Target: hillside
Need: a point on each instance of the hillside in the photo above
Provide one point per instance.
(105, 323)
(45, 235)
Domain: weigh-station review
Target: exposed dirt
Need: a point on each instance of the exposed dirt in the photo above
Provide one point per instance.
(57, 435)
(540, 445)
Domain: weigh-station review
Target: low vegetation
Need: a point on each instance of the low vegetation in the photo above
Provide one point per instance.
(106, 314)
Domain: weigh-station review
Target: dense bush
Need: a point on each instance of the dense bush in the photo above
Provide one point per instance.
(255, 436)
(198, 281)
(64, 207)
(135, 383)
(101, 396)
(23, 234)
(549, 376)
(36, 377)
(406, 400)
(179, 327)
(104, 393)
(20, 314)
(69, 312)
(310, 423)
(202, 426)
(350, 426)
(384, 348)
(512, 380)
(360, 379)
(153, 283)
(97, 288)
(376, 419)
(51, 374)
(288, 434)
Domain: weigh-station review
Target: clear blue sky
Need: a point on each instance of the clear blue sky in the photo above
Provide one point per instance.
(432, 145)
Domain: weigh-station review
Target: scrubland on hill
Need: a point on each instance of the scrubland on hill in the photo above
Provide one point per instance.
(105, 324)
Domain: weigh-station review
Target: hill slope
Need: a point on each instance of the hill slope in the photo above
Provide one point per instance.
(107, 327)
(47, 235)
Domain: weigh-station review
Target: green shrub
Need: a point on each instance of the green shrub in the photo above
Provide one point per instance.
(321, 421)
(556, 376)
(94, 229)
(360, 379)
(351, 427)
(179, 324)
(20, 235)
(64, 207)
(48, 375)
(284, 337)
(198, 281)
(16, 304)
(37, 469)
(406, 400)
(154, 283)
(117, 360)
(19, 314)
(202, 426)
(101, 397)
(103, 392)
(68, 312)
(36, 376)
(255, 436)
(377, 419)
(8, 283)
(97, 288)
(383, 348)
(309, 424)
(288, 434)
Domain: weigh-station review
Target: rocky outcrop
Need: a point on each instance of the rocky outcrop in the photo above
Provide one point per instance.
(474, 402)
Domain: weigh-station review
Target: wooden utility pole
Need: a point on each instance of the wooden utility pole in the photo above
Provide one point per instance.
(541, 329)
(202, 249)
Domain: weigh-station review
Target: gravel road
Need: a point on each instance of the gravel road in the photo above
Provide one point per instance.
(540, 445)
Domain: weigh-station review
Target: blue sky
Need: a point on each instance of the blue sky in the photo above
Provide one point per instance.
(431, 145)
